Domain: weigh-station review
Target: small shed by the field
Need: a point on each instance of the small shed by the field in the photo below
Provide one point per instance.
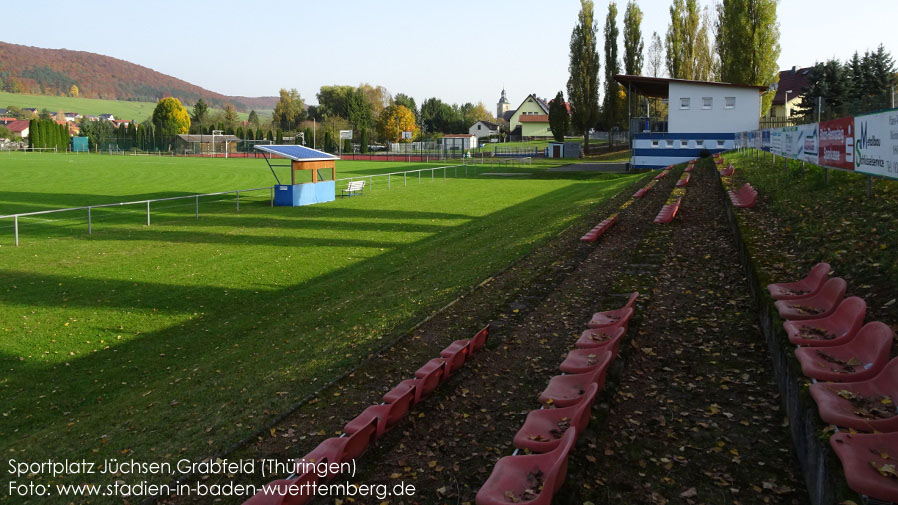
(563, 150)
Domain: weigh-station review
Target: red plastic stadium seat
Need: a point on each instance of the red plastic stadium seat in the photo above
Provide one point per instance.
(607, 338)
(689, 168)
(286, 492)
(641, 193)
(479, 340)
(683, 180)
(594, 234)
(808, 286)
(835, 329)
(430, 366)
(744, 197)
(613, 317)
(668, 212)
(716, 155)
(543, 429)
(863, 457)
(567, 390)
(455, 357)
(859, 359)
(662, 174)
(821, 304)
(471, 345)
(864, 406)
(531, 478)
(339, 450)
(387, 415)
(727, 172)
(586, 360)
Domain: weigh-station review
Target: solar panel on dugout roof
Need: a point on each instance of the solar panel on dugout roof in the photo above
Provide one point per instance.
(297, 153)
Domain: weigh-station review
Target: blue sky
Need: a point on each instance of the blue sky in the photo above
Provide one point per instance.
(462, 51)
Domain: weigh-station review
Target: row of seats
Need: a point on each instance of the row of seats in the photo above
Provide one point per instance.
(744, 197)
(835, 345)
(550, 432)
(684, 180)
(642, 191)
(663, 173)
(690, 167)
(374, 422)
(728, 171)
(597, 231)
(669, 210)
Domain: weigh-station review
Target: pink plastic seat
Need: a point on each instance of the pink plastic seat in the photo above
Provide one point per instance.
(543, 429)
(816, 306)
(808, 286)
(567, 390)
(683, 180)
(472, 345)
(744, 197)
(594, 234)
(531, 478)
(387, 415)
(640, 193)
(662, 174)
(430, 366)
(339, 450)
(835, 329)
(614, 317)
(866, 406)
(865, 457)
(689, 168)
(668, 212)
(727, 172)
(586, 360)
(285, 492)
(602, 339)
(423, 387)
(859, 359)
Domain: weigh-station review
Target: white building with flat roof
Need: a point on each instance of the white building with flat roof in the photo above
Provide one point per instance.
(702, 117)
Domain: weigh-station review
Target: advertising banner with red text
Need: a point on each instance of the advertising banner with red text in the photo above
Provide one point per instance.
(835, 142)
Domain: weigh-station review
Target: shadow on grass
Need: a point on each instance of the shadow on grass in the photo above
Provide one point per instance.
(169, 389)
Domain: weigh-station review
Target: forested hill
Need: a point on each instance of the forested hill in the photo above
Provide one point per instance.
(25, 69)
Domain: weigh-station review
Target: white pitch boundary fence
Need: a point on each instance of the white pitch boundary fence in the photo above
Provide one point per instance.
(470, 167)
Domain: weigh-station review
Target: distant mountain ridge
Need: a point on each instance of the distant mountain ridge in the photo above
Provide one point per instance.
(54, 71)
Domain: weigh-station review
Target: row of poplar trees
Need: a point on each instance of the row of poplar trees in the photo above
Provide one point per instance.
(47, 134)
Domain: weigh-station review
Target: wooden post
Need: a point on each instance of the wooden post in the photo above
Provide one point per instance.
(869, 186)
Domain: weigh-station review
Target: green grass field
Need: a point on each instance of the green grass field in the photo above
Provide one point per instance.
(177, 339)
(121, 109)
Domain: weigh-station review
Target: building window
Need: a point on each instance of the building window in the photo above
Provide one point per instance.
(669, 143)
(720, 143)
(684, 143)
(707, 101)
(655, 143)
(729, 102)
(684, 103)
(478, 127)
(699, 143)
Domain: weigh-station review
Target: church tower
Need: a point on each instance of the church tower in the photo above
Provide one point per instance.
(503, 106)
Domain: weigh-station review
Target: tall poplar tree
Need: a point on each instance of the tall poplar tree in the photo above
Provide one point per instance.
(748, 44)
(611, 105)
(583, 83)
(687, 42)
(633, 46)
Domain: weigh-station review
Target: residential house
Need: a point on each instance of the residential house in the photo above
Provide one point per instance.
(703, 117)
(6, 120)
(482, 129)
(72, 116)
(19, 128)
(119, 122)
(107, 117)
(791, 84)
(530, 120)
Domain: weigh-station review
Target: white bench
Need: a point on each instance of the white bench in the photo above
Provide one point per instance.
(354, 188)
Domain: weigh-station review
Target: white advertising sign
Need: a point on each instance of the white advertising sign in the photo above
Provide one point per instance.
(800, 142)
(876, 144)
(776, 141)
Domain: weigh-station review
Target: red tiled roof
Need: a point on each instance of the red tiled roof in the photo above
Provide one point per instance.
(534, 118)
(18, 126)
(793, 80)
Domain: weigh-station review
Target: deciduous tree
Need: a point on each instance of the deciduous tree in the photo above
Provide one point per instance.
(687, 42)
(289, 110)
(73, 91)
(394, 120)
(611, 103)
(748, 43)
(170, 117)
(583, 83)
(633, 44)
